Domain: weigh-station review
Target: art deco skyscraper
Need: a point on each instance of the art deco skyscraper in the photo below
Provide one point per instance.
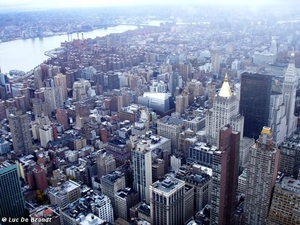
(11, 198)
(225, 177)
(289, 92)
(225, 110)
(261, 177)
(20, 132)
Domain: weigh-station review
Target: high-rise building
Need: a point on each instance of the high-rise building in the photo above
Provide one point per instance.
(255, 105)
(46, 135)
(261, 177)
(62, 117)
(142, 170)
(289, 93)
(182, 102)
(124, 200)
(11, 202)
(2, 110)
(111, 183)
(285, 208)
(225, 177)
(174, 81)
(40, 177)
(113, 81)
(60, 81)
(167, 202)
(215, 61)
(25, 91)
(195, 177)
(20, 132)
(170, 127)
(106, 163)
(225, 111)
(277, 117)
(289, 162)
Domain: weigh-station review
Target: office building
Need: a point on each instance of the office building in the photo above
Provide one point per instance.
(170, 127)
(66, 192)
(161, 103)
(124, 200)
(289, 162)
(174, 81)
(5, 146)
(40, 177)
(261, 177)
(225, 177)
(201, 153)
(225, 111)
(182, 102)
(46, 135)
(20, 132)
(142, 170)
(255, 105)
(215, 61)
(277, 117)
(199, 178)
(111, 183)
(90, 209)
(289, 92)
(167, 202)
(60, 81)
(11, 202)
(62, 117)
(113, 81)
(285, 208)
(106, 163)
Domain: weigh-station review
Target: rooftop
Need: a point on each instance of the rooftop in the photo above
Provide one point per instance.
(168, 185)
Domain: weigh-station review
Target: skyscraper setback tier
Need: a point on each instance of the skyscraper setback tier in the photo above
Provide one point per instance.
(255, 102)
(261, 177)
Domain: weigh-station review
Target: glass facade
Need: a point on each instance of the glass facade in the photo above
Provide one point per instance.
(11, 197)
(255, 102)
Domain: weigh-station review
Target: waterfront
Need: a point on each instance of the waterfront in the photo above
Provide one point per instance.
(26, 54)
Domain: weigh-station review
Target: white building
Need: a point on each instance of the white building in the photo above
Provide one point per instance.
(142, 169)
(277, 117)
(225, 111)
(46, 135)
(289, 94)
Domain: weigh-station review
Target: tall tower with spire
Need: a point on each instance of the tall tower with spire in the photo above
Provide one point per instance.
(225, 111)
(289, 93)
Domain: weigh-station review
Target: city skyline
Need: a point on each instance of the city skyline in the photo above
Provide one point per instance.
(12, 5)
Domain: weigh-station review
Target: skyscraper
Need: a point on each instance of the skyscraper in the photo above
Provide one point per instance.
(225, 177)
(167, 203)
(173, 82)
(261, 178)
(11, 197)
(285, 208)
(142, 170)
(20, 132)
(255, 102)
(289, 92)
(60, 81)
(225, 110)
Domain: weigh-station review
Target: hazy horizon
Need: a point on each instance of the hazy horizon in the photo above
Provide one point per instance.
(17, 5)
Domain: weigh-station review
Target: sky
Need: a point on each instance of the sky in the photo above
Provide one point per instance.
(87, 3)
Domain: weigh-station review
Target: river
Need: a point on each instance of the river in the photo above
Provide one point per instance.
(26, 54)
